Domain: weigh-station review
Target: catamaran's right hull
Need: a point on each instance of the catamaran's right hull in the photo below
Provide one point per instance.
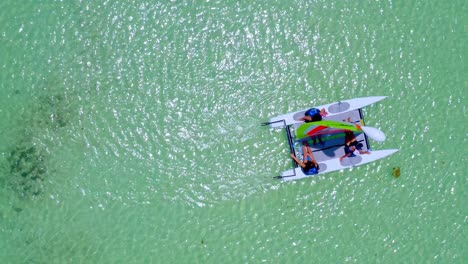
(335, 164)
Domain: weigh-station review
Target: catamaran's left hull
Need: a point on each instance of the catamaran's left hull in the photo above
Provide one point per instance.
(332, 109)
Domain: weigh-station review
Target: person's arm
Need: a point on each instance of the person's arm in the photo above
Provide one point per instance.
(344, 156)
(298, 161)
(314, 160)
(350, 141)
(311, 155)
(305, 118)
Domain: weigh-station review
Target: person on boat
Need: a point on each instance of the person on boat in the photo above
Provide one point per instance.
(313, 115)
(352, 146)
(309, 165)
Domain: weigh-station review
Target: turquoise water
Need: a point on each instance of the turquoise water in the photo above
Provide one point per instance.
(130, 131)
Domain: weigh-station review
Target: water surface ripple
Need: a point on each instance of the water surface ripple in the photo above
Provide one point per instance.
(132, 131)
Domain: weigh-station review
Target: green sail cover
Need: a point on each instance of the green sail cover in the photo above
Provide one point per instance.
(325, 127)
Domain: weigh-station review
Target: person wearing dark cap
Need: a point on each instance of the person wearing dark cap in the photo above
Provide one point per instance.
(352, 146)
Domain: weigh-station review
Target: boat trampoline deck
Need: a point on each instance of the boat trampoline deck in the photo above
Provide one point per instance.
(333, 145)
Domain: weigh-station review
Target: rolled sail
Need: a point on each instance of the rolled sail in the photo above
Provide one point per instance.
(325, 127)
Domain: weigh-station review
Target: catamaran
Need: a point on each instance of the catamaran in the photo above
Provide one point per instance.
(327, 137)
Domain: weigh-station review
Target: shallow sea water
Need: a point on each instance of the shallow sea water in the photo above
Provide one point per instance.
(131, 131)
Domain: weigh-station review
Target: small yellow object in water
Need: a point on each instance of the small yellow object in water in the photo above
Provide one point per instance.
(396, 172)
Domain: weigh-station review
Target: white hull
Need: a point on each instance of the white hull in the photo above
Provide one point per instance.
(333, 109)
(335, 164)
